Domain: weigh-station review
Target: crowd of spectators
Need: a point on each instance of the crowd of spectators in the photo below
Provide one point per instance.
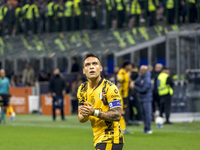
(39, 16)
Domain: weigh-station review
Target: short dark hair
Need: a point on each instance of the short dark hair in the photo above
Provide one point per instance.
(91, 55)
(126, 63)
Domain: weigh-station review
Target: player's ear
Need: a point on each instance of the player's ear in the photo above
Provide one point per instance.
(101, 68)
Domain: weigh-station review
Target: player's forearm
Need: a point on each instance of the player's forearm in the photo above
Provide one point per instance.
(112, 115)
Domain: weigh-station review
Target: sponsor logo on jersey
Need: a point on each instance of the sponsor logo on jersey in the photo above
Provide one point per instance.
(115, 96)
(116, 91)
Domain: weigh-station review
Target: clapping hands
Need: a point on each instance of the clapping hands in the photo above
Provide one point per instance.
(86, 110)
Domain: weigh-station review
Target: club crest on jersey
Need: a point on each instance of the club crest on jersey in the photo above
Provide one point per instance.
(101, 95)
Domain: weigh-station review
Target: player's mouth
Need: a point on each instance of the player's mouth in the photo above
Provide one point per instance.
(92, 72)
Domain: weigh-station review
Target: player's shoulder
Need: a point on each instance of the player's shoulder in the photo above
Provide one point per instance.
(111, 90)
(6, 79)
(83, 87)
(121, 72)
(109, 84)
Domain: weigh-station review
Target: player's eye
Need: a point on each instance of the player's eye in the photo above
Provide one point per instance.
(87, 64)
(94, 63)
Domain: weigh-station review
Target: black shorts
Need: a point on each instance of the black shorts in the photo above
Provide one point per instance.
(109, 146)
(5, 100)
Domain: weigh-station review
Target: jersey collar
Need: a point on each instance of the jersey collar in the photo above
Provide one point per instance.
(99, 83)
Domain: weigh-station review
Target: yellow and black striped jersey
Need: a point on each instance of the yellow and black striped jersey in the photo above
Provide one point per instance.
(123, 77)
(104, 97)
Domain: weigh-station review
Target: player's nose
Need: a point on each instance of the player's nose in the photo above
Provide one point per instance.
(91, 67)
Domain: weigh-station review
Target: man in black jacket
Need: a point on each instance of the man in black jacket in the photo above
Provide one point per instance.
(57, 89)
(133, 102)
(156, 98)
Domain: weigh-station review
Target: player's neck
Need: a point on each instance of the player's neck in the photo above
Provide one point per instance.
(94, 82)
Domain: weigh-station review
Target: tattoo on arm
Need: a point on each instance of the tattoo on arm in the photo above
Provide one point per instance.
(111, 115)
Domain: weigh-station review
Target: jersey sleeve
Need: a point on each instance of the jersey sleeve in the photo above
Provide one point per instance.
(81, 95)
(113, 97)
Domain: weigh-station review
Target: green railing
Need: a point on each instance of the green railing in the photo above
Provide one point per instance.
(70, 43)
